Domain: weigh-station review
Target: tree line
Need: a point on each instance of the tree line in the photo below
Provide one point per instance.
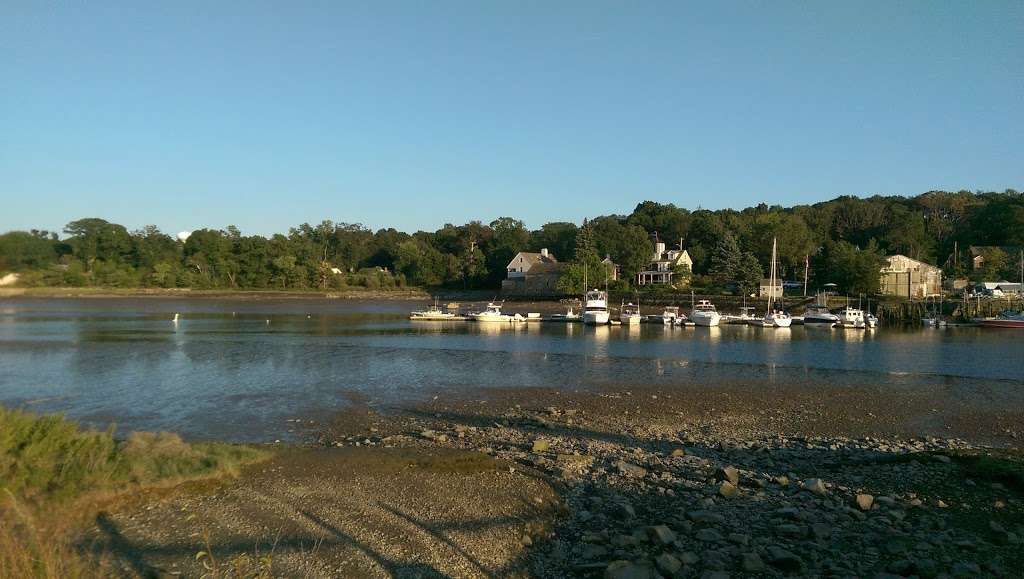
(843, 241)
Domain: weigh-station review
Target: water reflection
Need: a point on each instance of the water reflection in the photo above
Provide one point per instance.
(222, 371)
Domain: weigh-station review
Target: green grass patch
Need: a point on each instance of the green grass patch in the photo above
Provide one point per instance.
(56, 476)
(50, 458)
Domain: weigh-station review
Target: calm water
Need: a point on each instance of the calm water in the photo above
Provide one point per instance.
(224, 372)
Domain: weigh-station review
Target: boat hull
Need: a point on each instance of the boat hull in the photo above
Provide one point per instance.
(595, 318)
(489, 319)
(1019, 324)
(705, 319)
(629, 319)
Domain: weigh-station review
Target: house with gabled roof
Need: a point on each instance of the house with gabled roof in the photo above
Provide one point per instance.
(532, 273)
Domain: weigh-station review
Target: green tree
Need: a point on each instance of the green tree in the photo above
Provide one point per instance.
(559, 238)
(93, 239)
(725, 260)
(749, 274)
(25, 250)
(854, 270)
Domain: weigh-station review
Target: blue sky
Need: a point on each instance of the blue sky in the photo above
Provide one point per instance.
(412, 114)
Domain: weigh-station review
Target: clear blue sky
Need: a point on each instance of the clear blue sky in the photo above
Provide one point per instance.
(412, 114)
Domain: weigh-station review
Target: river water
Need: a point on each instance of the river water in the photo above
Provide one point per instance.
(241, 369)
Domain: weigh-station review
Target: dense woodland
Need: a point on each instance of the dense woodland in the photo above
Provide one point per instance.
(845, 240)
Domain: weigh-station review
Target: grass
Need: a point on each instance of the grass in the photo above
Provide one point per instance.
(56, 476)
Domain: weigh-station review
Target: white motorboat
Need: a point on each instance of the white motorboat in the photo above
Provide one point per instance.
(670, 315)
(705, 314)
(491, 314)
(852, 318)
(744, 317)
(629, 314)
(872, 321)
(819, 315)
(595, 308)
(432, 313)
(774, 318)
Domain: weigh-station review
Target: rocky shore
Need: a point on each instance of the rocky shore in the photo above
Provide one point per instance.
(656, 486)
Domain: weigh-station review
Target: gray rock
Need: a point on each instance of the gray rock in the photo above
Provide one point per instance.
(705, 517)
(661, 534)
(752, 563)
(667, 564)
(630, 469)
(709, 535)
(739, 538)
(624, 511)
(791, 530)
(784, 560)
(689, 558)
(815, 485)
(782, 481)
(627, 570)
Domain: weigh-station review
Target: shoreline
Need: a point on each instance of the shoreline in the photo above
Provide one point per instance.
(253, 295)
(622, 483)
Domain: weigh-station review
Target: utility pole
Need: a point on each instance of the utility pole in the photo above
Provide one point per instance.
(807, 267)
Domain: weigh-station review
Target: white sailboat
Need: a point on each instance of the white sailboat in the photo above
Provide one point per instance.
(595, 308)
(775, 318)
(705, 314)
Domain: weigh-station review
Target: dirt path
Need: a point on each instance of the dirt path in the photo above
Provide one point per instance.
(346, 512)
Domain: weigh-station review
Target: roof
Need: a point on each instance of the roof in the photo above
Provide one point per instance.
(917, 263)
(976, 250)
(530, 259)
(547, 268)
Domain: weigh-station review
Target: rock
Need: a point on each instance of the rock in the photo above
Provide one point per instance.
(689, 558)
(678, 453)
(821, 531)
(709, 535)
(705, 517)
(941, 504)
(739, 538)
(661, 534)
(541, 445)
(727, 489)
(864, 502)
(630, 469)
(784, 560)
(815, 485)
(729, 474)
(667, 564)
(790, 530)
(782, 481)
(624, 511)
(752, 563)
(627, 570)
(887, 502)
(525, 541)
(942, 458)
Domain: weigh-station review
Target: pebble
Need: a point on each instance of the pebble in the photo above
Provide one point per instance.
(864, 502)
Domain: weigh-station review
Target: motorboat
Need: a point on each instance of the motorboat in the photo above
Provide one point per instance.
(851, 317)
(933, 321)
(705, 314)
(744, 317)
(595, 308)
(872, 321)
(670, 315)
(432, 313)
(819, 314)
(1006, 319)
(491, 314)
(629, 314)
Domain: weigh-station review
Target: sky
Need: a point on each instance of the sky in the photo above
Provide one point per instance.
(404, 114)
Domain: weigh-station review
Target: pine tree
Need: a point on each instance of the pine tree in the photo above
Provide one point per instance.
(725, 260)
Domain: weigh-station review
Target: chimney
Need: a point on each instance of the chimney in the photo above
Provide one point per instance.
(659, 248)
(544, 253)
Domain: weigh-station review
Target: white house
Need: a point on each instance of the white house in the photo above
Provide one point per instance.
(663, 264)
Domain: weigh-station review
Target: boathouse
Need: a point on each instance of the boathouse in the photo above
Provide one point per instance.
(909, 278)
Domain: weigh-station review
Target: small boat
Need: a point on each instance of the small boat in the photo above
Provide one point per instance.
(432, 313)
(569, 316)
(491, 314)
(852, 318)
(745, 316)
(1006, 319)
(872, 321)
(629, 314)
(705, 314)
(595, 308)
(819, 314)
(670, 315)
